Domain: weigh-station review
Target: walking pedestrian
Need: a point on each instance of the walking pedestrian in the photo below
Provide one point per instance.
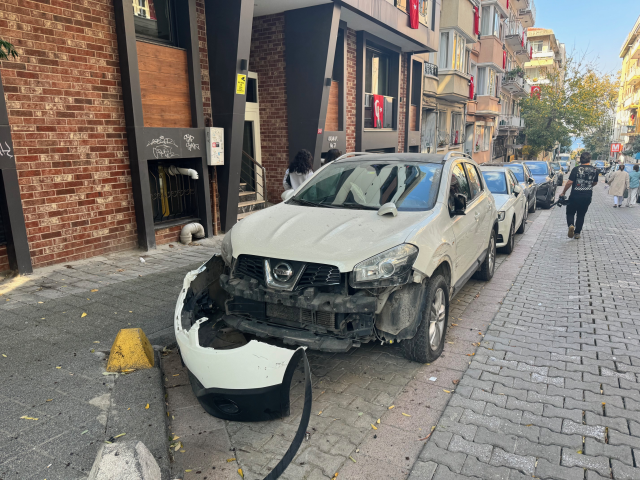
(634, 183)
(618, 183)
(300, 169)
(582, 179)
(332, 155)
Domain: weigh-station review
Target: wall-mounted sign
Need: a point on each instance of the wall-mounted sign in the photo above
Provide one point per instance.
(215, 145)
(241, 85)
(616, 147)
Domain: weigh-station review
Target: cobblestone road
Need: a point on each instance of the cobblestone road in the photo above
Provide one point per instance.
(553, 391)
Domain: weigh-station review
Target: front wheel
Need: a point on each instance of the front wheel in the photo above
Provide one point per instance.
(428, 342)
(532, 206)
(511, 242)
(525, 215)
(489, 264)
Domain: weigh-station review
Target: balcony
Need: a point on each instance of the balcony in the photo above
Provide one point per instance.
(458, 14)
(515, 35)
(633, 76)
(514, 85)
(527, 15)
(491, 52)
(453, 86)
(430, 80)
(634, 51)
(523, 53)
(488, 105)
(510, 122)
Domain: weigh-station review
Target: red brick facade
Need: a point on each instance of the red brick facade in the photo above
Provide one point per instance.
(65, 109)
(4, 260)
(267, 60)
(351, 90)
(402, 105)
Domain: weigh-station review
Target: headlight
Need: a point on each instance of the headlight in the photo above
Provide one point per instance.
(392, 267)
(227, 249)
(500, 216)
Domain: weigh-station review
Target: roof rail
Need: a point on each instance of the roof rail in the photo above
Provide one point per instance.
(448, 155)
(353, 154)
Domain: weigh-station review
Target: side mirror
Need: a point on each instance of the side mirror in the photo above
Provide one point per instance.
(287, 194)
(517, 190)
(531, 180)
(460, 204)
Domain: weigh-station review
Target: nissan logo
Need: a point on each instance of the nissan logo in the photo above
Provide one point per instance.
(282, 272)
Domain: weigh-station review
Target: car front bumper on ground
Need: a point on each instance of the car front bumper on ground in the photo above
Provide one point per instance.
(248, 383)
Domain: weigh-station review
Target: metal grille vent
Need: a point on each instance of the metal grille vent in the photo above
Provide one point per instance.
(251, 267)
(317, 275)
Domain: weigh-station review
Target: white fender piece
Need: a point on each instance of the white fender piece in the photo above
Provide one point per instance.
(190, 231)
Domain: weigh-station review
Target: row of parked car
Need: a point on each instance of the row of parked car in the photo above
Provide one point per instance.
(373, 247)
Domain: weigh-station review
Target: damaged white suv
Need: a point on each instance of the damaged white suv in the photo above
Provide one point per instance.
(371, 248)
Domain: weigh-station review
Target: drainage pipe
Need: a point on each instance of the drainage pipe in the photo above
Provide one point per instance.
(191, 230)
(173, 170)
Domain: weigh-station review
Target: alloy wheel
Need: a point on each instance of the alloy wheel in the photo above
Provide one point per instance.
(492, 253)
(438, 316)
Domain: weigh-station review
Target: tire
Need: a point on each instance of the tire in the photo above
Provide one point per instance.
(489, 265)
(511, 243)
(532, 207)
(428, 342)
(523, 224)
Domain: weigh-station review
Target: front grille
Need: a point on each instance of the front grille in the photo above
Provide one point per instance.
(251, 266)
(301, 315)
(316, 275)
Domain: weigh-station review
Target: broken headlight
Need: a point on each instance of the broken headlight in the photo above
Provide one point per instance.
(392, 267)
(226, 250)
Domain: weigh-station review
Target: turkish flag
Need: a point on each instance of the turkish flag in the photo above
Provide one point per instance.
(535, 90)
(476, 20)
(414, 16)
(378, 111)
(507, 4)
(504, 59)
(530, 53)
(522, 42)
(471, 88)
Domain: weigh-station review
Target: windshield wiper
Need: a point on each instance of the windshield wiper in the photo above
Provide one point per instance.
(357, 206)
(310, 204)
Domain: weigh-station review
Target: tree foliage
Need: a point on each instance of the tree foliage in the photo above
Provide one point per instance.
(6, 50)
(634, 147)
(573, 103)
(598, 141)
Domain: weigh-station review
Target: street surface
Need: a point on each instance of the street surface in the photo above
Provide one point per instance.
(539, 376)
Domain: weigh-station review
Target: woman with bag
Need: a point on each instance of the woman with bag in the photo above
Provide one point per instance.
(300, 169)
(618, 185)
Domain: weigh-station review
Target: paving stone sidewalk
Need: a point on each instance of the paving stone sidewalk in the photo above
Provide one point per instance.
(350, 393)
(553, 391)
(56, 406)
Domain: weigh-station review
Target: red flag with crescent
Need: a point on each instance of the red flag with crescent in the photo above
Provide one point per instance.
(414, 15)
(378, 111)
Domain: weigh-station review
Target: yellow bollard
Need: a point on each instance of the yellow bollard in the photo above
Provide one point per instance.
(131, 350)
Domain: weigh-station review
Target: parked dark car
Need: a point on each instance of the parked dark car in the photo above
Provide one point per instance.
(526, 180)
(599, 164)
(559, 173)
(565, 166)
(544, 176)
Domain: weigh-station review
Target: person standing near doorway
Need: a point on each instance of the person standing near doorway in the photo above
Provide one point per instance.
(634, 183)
(582, 179)
(300, 169)
(618, 183)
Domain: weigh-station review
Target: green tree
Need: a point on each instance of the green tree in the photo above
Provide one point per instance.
(574, 102)
(6, 50)
(634, 147)
(598, 140)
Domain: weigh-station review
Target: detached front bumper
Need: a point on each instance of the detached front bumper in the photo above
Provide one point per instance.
(248, 383)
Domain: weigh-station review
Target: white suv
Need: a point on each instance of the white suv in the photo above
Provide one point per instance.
(372, 247)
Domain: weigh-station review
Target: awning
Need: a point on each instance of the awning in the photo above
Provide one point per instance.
(543, 62)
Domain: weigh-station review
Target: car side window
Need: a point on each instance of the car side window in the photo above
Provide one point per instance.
(512, 180)
(474, 180)
(459, 182)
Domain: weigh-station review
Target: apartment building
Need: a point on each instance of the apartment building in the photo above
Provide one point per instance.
(548, 55)
(104, 113)
(627, 125)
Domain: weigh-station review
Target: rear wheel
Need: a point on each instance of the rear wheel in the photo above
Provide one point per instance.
(523, 224)
(428, 342)
(532, 206)
(489, 264)
(511, 242)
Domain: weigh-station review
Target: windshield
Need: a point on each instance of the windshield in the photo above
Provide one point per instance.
(368, 185)
(538, 168)
(599, 164)
(555, 166)
(518, 171)
(563, 163)
(496, 182)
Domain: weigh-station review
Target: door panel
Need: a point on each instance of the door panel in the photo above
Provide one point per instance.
(464, 226)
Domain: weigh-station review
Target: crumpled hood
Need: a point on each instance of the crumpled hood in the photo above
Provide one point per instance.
(500, 201)
(340, 237)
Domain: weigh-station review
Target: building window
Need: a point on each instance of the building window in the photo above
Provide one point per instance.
(487, 79)
(459, 52)
(537, 45)
(443, 134)
(154, 20)
(456, 129)
(487, 138)
(377, 73)
(444, 50)
(491, 22)
(479, 137)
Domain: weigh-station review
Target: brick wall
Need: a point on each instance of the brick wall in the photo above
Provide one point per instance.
(267, 60)
(4, 260)
(351, 90)
(65, 109)
(402, 107)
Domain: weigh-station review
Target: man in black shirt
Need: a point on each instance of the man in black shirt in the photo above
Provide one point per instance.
(582, 178)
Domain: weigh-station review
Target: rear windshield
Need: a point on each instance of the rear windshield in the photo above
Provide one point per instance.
(496, 182)
(518, 171)
(368, 185)
(600, 164)
(555, 166)
(538, 168)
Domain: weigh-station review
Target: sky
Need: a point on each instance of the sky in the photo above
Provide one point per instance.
(595, 27)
